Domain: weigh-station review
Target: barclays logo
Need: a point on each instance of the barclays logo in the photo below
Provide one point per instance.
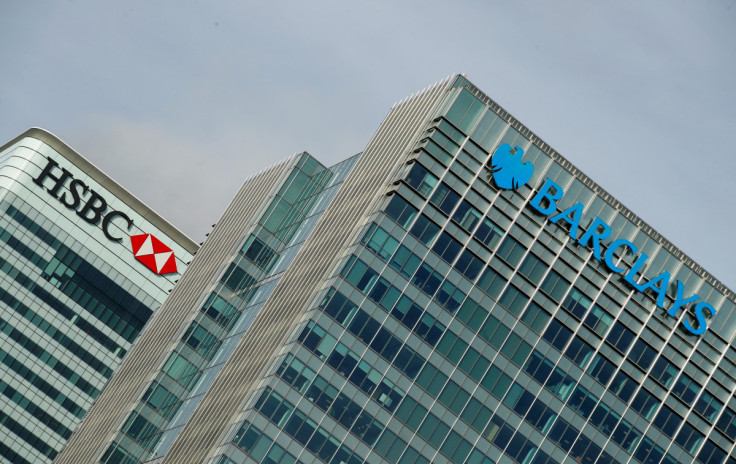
(510, 173)
(507, 169)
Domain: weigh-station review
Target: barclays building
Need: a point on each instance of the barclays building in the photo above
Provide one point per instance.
(457, 292)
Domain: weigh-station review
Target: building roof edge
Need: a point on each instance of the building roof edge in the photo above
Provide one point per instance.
(106, 181)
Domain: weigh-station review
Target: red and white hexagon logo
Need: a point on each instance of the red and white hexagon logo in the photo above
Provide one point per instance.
(155, 255)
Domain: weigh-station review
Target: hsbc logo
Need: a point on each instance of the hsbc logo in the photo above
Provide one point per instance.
(153, 253)
(93, 209)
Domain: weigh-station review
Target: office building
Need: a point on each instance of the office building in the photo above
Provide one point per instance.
(83, 266)
(458, 292)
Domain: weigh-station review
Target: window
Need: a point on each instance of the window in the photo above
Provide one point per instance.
(711, 454)
(465, 111)
(516, 349)
(540, 416)
(535, 317)
(380, 242)
(538, 367)
(642, 354)
(583, 402)
(405, 261)
(518, 399)
(577, 303)
(686, 389)
(427, 279)
(667, 421)
(598, 320)
(359, 274)
(445, 198)
(493, 331)
(511, 251)
(563, 434)
(384, 294)
(557, 334)
(447, 247)
(555, 285)
(237, 279)
(422, 180)
(496, 382)
(431, 380)
(605, 418)
(449, 296)
(259, 253)
(514, 300)
(645, 403)
(469, 265)
(471, 314)
(560, 384)
(623, 386)
(489, 233)
(664, 372)
(400, 211)
(424, 229)
(727, 423)
(689, 438)
(626, 436)
(601, 369)
(620, 337)
(452, 347)
(533, 268)
(491, 282)
(467, 216)
(708, 406)
(648, 452)
(579, 352)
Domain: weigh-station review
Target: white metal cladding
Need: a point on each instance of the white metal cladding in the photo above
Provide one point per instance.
(145, 359)
(336, 229)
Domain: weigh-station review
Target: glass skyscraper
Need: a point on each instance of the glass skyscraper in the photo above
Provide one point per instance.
(457, 292)
(73, 297)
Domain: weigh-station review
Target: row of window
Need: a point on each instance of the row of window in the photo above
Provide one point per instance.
(318, 346)
(56, 305)
(303, 429)
(28, 436)
(44, 356)
(407, 263)
(341, 408)
(28, 375)
(577, 304)
(36, 411)
(52, 331)
(263, 449)
(621, 338)
(406, 311)
(12, 456)
(454, 348)
(90, 288)
(600, 414)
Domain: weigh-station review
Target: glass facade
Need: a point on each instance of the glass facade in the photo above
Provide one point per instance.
(227, 312)
(458, 324)
(71, 305)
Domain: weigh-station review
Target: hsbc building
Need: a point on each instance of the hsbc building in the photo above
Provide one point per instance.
(84, 265)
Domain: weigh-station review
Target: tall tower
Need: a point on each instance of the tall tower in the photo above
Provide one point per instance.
(83, 267)
(458, 292)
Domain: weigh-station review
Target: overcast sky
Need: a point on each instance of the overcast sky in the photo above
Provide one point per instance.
(180, 101)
